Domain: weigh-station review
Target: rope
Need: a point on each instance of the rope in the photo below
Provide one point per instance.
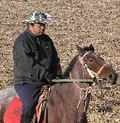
(86, 90)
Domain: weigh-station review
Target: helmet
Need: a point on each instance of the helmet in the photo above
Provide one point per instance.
(38, 17)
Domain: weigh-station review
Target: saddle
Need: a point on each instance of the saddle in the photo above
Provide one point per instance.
(13, 113)
(39, 116)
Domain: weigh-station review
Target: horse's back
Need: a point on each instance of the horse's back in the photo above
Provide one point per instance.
(6, 96)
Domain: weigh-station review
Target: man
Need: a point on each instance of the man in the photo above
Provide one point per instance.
(35, 62)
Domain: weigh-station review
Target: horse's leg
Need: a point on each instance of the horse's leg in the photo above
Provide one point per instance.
(84, 120)
(2, 112)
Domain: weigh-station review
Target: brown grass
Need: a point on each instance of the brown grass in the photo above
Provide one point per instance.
(73, 22)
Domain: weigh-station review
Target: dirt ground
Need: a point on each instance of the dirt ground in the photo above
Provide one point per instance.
(73, 22)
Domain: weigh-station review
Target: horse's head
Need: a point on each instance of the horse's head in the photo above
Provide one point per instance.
(96, 66)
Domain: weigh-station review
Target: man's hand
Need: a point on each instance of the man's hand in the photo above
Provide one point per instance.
(49, 77)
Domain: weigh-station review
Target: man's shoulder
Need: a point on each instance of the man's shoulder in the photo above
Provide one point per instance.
(46, 37)
(20, 39)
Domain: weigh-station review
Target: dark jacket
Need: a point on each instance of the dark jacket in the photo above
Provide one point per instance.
(35, 58)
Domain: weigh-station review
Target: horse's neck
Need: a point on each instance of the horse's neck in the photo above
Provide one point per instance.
(79, 72)
(67, 97)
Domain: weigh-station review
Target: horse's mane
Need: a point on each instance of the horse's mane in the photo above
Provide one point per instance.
(70, 66)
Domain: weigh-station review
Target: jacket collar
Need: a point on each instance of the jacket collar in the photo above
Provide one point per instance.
(31, 34)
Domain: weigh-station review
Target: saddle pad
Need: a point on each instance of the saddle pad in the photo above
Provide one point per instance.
(13, 113)
(43, 121)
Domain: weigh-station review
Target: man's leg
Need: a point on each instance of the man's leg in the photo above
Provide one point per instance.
(28, 94)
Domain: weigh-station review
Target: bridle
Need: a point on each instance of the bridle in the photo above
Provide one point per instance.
(94, 75)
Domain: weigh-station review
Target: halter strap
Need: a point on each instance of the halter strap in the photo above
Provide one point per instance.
(99, 72)
(91, 73)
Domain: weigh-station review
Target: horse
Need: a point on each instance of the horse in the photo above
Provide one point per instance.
(68, 101)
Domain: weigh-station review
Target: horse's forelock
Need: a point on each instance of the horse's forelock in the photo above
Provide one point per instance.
(90, 48)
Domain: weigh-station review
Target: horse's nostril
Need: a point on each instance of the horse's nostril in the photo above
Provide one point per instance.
(111, 77)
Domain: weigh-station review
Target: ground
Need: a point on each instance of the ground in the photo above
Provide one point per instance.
(73, 22)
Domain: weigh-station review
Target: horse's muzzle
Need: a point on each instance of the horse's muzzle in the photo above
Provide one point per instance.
(110, 79)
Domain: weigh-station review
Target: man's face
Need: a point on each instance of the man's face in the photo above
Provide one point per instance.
(37, 29)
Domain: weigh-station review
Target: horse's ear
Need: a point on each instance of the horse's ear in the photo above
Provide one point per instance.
(91, 47)
(81, 52)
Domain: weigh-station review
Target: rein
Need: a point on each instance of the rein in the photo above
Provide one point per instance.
(71, 80)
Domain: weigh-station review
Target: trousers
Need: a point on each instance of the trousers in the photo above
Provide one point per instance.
(28, 95)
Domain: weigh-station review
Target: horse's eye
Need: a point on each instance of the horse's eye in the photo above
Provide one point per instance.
(91, 60)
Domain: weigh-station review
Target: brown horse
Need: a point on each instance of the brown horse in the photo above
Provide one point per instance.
(68, 101)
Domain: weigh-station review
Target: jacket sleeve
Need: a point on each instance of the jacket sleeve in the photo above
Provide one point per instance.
(26, 65)
(55, 66)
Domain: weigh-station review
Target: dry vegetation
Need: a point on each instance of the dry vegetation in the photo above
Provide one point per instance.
(73, 22)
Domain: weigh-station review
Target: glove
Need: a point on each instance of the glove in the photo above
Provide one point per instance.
(49, 77)
(60, 77)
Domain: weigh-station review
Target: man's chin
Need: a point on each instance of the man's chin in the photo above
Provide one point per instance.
(41, 33)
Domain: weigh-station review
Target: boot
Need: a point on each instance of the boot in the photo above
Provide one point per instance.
(25, 118)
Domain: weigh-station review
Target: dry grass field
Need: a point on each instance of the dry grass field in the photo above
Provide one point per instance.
(73, 22)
